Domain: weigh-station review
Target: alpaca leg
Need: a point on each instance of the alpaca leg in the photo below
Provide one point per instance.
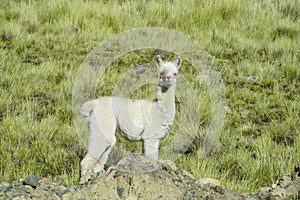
(87, 164)
(102, 126)
(103, 159)
(151, 148)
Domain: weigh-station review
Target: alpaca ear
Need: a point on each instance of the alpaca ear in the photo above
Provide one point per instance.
(178, 62)
(159, 61)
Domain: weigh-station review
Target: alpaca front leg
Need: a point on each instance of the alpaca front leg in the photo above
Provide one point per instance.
(150, 148)
(87, 165)
(99, 167)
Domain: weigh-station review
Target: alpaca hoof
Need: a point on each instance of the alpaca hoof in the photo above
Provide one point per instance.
(90, 176)
(86, 178)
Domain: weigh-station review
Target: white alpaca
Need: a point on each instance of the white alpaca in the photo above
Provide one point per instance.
(147, 120)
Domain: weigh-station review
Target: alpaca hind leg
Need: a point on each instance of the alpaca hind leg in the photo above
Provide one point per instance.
(150, 148)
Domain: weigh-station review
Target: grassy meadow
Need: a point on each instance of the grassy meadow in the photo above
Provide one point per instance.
(255, 44)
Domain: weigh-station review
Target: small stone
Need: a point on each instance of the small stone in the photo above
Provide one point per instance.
(121, 192)
(167, 168)
(61, 190)
(208, 181)
(168, 165)
(67, 196)
(278, 192)
(52, 195)
(3, 188)
(33, 181)
(219, 189)
(264, 189)
(73, 188)
(252, 79)
(27, 188)
(19, 197)
(187, 174)
(285, 181)
(4, 184)
(139, 68)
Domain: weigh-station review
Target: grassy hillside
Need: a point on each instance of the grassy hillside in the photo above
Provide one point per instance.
(43, 43)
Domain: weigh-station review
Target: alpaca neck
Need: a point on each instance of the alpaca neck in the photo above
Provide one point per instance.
(166, 102)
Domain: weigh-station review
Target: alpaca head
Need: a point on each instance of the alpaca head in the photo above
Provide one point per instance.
(168, 71)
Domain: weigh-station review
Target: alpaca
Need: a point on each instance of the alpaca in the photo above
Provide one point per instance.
(147, 120)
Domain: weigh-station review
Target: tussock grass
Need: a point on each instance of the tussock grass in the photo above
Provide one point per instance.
(43, 43)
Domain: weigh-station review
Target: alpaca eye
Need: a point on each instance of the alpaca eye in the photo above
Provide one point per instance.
(174, 74)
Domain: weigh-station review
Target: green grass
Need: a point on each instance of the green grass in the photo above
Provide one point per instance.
(43, 43)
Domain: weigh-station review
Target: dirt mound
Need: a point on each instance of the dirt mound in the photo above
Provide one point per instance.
(131, 179)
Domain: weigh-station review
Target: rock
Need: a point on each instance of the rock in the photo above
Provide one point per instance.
(121, 192)
(61, 190)
(252, 79)
(285, 181)
(67, 196)
(32, 180)
(27, 188)
(187, 174)
(139, 68)
(136, 164)
(168, 165)
(20, 197)
(278, 192)
(208, 182)
(163, 183)
(264, 189)
(3, 188)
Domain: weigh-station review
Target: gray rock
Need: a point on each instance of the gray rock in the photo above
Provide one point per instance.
(27, 188)
(121, 192)
(136, 164)
(208, 182)
(68, 196)
(61, 190)
(168, 165)
(139, 68)
(264, 189)
(33, 180)
(252, 79)
(278, 192)
(128, 186)
(3, 188)
(285, 181)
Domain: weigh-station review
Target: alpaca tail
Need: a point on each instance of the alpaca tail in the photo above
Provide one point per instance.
(88, 107)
